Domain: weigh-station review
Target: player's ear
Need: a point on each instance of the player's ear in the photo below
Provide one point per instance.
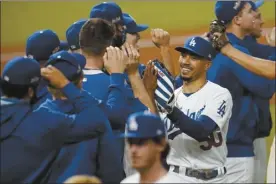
(237, 20)
(163, 144)
(208, 65)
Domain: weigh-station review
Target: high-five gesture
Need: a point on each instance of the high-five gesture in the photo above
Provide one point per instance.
(114, 60)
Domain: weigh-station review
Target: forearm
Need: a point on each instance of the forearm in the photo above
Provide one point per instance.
(167, 59)
(262, 67)
(198, 129)
(140, 91)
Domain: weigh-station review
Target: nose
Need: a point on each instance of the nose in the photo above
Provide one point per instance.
(185, 60)
(133, 148)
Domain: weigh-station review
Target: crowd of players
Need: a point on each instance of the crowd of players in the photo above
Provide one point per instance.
(87, 111)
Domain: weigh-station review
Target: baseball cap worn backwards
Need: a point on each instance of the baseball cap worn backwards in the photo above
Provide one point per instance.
(144, 125)
(227, 10)
(41, 44)
(132, 26)
(72, 34)
(70, 64)
(21, 71)
(199, 46)
(109, 11)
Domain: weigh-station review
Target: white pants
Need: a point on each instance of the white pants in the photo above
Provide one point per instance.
(188, 179)
(240, 169)
(271, 164)
(260, 160)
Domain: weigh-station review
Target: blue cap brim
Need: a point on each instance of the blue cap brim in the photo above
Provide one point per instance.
(129, 135)
(138, 28)
(259, 3)
(184, 50)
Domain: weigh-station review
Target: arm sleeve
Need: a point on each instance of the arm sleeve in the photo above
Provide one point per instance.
(110, 168)
(116, 103)
(89, 119)
(215, 114)
(255, 84)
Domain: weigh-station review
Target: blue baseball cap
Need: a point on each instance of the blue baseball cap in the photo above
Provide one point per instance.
(198, 46)
(132, 26)
(227, 10)
(257, 4)
(42, 44)
(21, 71)
(72, 34)
(70, 64)
(144, 125)
(63, 46)
(109, 11)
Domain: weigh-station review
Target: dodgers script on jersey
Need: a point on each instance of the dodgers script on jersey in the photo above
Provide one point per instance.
(168, 178)
(212, 101)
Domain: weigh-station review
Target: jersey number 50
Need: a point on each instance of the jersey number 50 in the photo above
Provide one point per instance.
(215, 139)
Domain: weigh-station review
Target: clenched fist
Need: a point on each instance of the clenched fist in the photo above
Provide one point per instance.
(160, 37)
(270, 38)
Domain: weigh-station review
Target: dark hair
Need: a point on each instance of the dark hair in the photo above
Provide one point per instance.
(95, 35)
(166, 151)
(15, 90)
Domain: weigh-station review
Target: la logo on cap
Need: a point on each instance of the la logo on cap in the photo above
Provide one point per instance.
(133, 126)
(192, 42)
(237, 5)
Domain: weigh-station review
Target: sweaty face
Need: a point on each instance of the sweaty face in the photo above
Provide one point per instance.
(257, 25)
(192, 67)
(142, 152)
(246, 17)
(133, 39)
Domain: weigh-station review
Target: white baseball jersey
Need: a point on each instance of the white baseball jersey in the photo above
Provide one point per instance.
(168, 178)
(215, 102)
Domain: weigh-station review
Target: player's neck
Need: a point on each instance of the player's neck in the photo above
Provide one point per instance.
(94, 63)
(193, 86)
(237, 31)
(152, 174)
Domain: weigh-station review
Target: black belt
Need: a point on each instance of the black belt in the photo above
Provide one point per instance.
(203, 174)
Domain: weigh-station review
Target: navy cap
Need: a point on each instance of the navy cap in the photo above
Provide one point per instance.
(72, 34)
(144, 125)
(63, 46)
(42, 44)
(132, 26)
(198, 46)
(227, 10)
(109, 11)
(21, 71)
(70, 64)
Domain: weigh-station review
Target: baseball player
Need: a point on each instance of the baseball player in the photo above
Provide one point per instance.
(147, 141)
(40, 45)
(92, 156)
(239, 19)
(111, 12)
(72, 35)
(30, 140)
(197, 118)
(264, 124)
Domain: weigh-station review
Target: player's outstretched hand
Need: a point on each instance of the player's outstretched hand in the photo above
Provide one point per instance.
(132, 56)
(150, 79)
(217, 35)
(270, 38)
(160, 37)
(114, 60)
(54, 76)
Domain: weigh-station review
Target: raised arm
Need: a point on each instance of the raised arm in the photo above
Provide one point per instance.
(262, 67)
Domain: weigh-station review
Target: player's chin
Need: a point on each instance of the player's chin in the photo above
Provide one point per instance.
(186, 78)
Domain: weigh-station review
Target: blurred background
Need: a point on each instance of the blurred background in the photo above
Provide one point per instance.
(19, 19)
